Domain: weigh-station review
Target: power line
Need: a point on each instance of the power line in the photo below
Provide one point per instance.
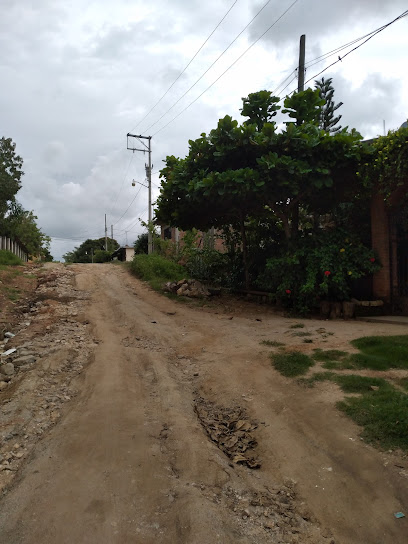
(209, 68)
(286, 78)
(370, 34)
(231, 65)
(286, 86)
(326, 55)
(344, 46)
(404, 14)
(182, 72)
(123, 181)
(127, 209)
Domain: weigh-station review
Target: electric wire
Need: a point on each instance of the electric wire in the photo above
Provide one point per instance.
(121, 186)
(282, 82)
(185, 68)
(404, 14)
(209, 68)
(225, 71)
(335, 51)
(128, 208)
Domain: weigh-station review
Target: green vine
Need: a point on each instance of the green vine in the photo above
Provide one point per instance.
(387, 168)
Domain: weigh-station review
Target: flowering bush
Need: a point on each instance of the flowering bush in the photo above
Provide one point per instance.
(319, 267)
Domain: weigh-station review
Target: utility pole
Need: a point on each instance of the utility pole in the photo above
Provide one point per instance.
(111, 237)
(106, 235)
(301, 69)
(148, 166)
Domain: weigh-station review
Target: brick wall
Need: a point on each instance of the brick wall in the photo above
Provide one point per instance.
(380, 238)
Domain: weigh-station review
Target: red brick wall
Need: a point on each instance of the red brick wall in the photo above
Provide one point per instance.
(380, 239)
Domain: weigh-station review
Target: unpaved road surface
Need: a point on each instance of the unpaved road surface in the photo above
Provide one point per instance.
(112, 423)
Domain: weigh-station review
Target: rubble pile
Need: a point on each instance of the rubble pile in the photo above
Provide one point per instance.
(38, 361)
(230, 429)
(187, 288)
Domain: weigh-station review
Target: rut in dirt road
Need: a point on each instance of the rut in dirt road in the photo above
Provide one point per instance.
(130, 461)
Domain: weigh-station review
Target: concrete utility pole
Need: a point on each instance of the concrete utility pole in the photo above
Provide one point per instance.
(148, 167)
(301, 69)
(111, 237)
(106, 235)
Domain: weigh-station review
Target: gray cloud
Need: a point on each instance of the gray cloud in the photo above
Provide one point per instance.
(319, 19)
(76, 77)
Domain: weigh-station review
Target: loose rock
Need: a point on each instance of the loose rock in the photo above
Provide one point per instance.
(7, 369)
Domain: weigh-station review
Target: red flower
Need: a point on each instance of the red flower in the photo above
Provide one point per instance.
(288, 291)
(372, 260)
(327, 273)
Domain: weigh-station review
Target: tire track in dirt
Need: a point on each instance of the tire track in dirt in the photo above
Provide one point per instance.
(130, 462)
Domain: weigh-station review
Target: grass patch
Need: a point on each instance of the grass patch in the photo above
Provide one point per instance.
(292, 364)
(328, 354)
(333, 359)
(339, 365)
(12, 293)
(383, 414)
(360, 384)
(349, 383)
(9, 259)
(156, 270)
(381, 352)
(297, 326)
(403, 382)
(318, 377)
(302, 333)
(272, 343)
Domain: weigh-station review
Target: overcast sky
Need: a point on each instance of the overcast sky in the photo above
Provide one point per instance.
(77, 76)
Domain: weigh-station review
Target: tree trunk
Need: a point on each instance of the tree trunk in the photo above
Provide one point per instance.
(295, 221)
(244, 252)
(286, 226)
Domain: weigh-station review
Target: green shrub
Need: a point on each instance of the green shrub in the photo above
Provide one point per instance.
(319, 266)
(156, 269)
(101, 256)
(207, 265)
(8, 258)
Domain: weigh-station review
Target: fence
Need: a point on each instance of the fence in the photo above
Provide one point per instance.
(14, 246)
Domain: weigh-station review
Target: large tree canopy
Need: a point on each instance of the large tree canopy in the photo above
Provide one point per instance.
(87, 251)
(21, 224)
(10, 174)
(252, 170)
(16, 222)
(327, 120)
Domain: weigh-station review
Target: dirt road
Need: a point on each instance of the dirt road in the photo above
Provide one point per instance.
(130, 462)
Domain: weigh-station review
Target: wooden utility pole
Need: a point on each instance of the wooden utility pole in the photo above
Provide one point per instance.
(148, 166)
(301, 69)
(111, 237)
(301, 87)
(106, 235)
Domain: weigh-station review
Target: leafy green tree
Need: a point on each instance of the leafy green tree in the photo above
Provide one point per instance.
(10, 175)
(83, 253)
(102, 256)
(46, 255)
(141, 243)
(260, 108)
(238, 174)
(304, 107)
(327, 119)
(22, 224)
